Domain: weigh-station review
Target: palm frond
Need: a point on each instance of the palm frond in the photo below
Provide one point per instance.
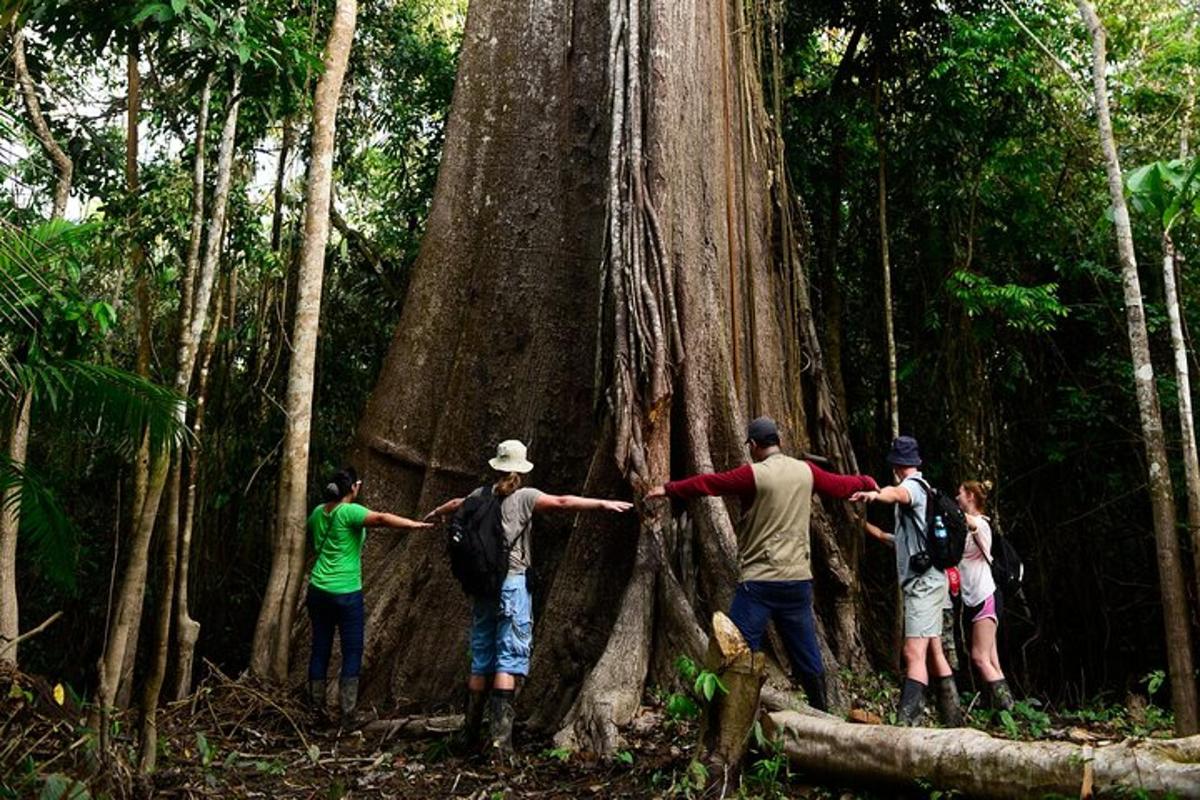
(51, 537)
(119, 406)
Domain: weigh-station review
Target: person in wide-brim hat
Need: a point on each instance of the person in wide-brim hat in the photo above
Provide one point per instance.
(502, 626)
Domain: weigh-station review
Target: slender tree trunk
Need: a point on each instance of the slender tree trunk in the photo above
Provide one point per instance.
(1172, 267)
(187, 630)
(148, 742)
(137, 256)
(63, 168)
(133, 583)
(272, 643)
(885, 261)
(18, 440)
(1162, 495)
(10, 523)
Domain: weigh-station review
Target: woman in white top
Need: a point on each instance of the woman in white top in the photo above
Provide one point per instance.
(982, 603)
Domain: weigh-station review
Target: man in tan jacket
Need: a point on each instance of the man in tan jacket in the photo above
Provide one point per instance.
(775, 580)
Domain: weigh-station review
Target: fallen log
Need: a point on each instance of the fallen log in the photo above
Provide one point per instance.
(415, 727)
(979, 765)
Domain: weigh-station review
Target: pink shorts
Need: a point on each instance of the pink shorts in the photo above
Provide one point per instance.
(987, 610)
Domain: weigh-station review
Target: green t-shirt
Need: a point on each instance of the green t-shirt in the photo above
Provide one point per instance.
(338, 537)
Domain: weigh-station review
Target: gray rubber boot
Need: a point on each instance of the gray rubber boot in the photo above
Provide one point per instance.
(1002, 696)
(912, 703)
(948, 705)
(348, 699)
(503, 715)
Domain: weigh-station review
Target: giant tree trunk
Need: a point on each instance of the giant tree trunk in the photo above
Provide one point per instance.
(979, 765)
(603, 238)
(1162, 496)
(272, 635)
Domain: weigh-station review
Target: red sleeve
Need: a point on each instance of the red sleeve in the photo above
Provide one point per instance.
(839, 487)
(739, 482)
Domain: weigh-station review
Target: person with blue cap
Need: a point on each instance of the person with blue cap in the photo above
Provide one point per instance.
(775, 581)
(922, 586)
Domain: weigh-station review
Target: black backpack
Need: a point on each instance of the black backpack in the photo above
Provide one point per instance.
(944, 552)
(1007, 570)
(477, 546)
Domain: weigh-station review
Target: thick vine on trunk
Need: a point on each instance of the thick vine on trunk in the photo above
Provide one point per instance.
(603, 239)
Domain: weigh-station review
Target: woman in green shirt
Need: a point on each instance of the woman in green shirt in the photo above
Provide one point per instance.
(335, 600)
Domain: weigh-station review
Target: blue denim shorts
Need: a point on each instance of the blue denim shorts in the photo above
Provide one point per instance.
(502, 630)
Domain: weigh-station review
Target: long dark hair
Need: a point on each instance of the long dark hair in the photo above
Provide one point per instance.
(341, 483)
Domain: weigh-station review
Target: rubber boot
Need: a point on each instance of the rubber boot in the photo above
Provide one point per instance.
(503, 715)
(912, 703)
(352, 718)
(316, 701)
(814, 690)
(467, 740)
(948, 705)
(1002, 696)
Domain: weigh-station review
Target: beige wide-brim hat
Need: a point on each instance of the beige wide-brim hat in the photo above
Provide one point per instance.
(510, 457)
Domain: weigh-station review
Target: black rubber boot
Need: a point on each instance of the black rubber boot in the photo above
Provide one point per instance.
(316, 701)
(814, 690)
(503, 716)
(948, 705)
(1002, 696)
(467, 740)
(912, 702)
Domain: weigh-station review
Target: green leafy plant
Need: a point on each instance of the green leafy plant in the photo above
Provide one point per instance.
(624, 757)
(560, 754)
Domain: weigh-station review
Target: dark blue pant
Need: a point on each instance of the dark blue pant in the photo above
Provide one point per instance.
(789, 603)
(344, 612)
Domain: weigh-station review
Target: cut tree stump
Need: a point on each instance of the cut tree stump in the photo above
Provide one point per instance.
(980, 765)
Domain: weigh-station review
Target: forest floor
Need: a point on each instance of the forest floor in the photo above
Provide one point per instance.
(233, 738)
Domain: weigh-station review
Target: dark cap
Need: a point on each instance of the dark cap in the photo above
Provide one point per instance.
(904, 452)
(763, 432)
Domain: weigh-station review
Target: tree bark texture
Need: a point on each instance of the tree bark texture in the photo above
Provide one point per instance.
(978, 765)
(10, 524)
(137, 256)
(1162, 496)
(272, 641)
(600, 243)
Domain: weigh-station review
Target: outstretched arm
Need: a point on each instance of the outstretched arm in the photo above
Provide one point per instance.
(839, 487)
(888, 494)
(570, 502)
(738, 482)
(446, 508)
(380, 519)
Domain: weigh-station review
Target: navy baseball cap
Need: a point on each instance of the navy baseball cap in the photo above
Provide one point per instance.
(763, 432)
